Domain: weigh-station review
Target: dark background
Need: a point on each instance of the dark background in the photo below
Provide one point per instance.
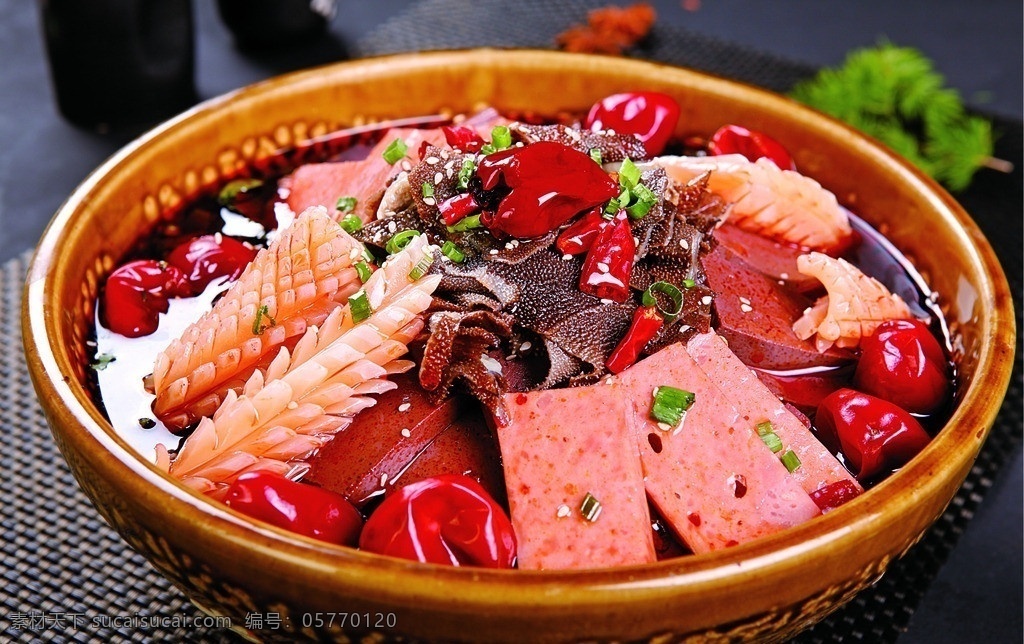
(976, 45)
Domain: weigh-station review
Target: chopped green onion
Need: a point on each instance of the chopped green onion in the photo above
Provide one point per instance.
(689, 283)
(645, 200)
(257, 323)
(466, 223)
(400, 240)
(102, 360)
(427, 189)
(364, 271)
(617, 203)
(629, 174)
(346, 204)
(670, 404)
(351, 223)
(452, 252)
(791, 460)
(233, 188)
(595, 154)
(488, 149)
(590, 508)
(368, 256)
(764, 427)
(773, 442)
(395, 151)
(650, 299)
(501, 137)
(147, 423)
(359, 304)
(421, 267)
(466, 173)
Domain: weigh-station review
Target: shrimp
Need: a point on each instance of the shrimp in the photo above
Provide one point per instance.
(307, 272)
(854, 306)
(284, 414)
(781, 204)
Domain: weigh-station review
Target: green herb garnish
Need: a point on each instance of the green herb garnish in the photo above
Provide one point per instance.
(466, 223)
(770, 438)
(102, 360)
(257, 323)
(790, 460)
(672, 291)
(465, 173)
(895, 95)
(421, 267)
(400, 240)
(346, 204)
(629, 174)
(452, 252)
(395, 151)
(351, 223)
(595, 154)
(670, 404)
(363, 270)
(230, 192)
(590, 508)
(147, 423)
(359, 304)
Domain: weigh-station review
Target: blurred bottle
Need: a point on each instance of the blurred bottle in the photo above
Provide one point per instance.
(120, 62)
(268, 24)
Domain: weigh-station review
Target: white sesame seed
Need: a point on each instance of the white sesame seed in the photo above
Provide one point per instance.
(494, 251)
(610, 132)
(444, 154)
(664, 427)
(567, 257)
(746, 308)
(605, 300)
(744, 300)
(392, 227)
(449, 172)
(406, 165)
(526, 346)
(685, 244)
(707, 299)
(563, 511)
(355, 253)
(432, 160)
(404, 406)
(509, 246)
(430, 201)
(383, 479)
(406, 433)
(438, 177)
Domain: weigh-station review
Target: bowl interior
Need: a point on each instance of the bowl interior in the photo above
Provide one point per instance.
(216, 140)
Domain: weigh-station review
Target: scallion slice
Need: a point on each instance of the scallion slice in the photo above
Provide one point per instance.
(595, 154)
(666, 288)
(590, 508)
(363, 270)
(234, 188)
(466, 223)
(421, 267)
(643, 200)
(465, 173)
(501, 137)
(629, 174)
(359, 304)
(395, 151)
(790, 460)
(368, 256)
(346, 204)
(427, 189)
(257, 323)
(689, 283)
(400, 240)
(670, 403)
(452, 252)
(350, 223)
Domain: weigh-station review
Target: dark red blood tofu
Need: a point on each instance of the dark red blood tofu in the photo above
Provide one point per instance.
(382, 441)
(711, 478)
(560, 446)
(757, 404)
(775, 260)
(321, 184)
(468, 447)
(756, 316)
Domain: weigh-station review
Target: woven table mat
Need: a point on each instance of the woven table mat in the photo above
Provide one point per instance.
(68, 577)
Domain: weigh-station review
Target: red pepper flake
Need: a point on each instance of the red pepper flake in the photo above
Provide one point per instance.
(646, 324)
(609, 30)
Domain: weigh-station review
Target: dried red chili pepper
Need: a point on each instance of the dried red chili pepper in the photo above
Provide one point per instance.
(831, 496)
(903, 363)
(304, 509)
(448, 519)
(463, 138)
(455, 209)
(137, 293)
(874, 435)
(206, 258)
(580, 235)
(650, 116)
(733, 139)
(647, 321)
(609, 261)
(550, 184)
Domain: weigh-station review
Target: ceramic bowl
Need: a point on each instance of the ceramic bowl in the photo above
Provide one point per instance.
(228, 565)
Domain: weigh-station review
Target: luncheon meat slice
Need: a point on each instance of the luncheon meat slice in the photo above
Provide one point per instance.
(818, 467)
(560, 446)
(712, 478)
(321, 184)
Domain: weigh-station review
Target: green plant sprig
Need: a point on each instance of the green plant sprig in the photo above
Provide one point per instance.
(895, 95)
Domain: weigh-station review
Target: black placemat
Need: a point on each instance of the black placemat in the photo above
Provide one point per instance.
(67, 577)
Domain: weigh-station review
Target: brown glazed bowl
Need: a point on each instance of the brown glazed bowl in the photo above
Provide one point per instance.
(766, 590)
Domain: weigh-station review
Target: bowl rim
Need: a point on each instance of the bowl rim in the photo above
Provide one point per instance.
(66, 399)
